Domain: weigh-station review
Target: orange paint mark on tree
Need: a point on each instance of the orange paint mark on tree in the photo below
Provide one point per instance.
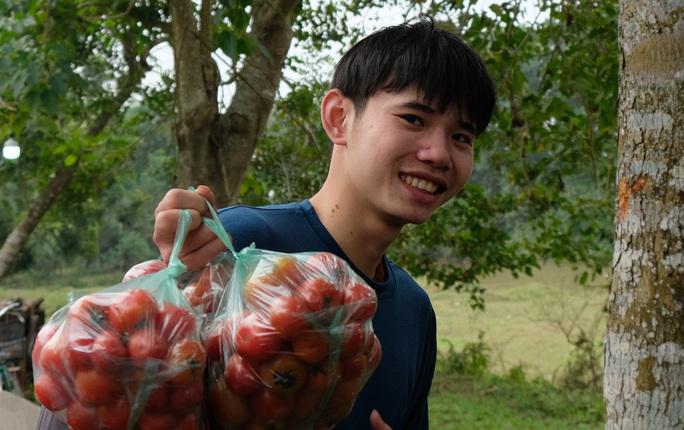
(625, 192)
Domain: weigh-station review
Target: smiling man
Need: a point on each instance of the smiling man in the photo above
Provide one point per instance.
(404, 109)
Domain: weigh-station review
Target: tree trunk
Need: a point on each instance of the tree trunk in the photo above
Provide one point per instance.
(215, 149)
(20, 234)
(644, 354)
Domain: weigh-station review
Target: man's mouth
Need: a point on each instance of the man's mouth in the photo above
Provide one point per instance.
(421, 184)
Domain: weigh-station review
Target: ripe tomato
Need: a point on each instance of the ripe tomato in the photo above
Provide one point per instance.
(360, 302)
(286, 271)
(78, 351)
(374, 354)
(147, 343)
(342, 400)
(256, 339)
(289, 316)
(44, 335)
(189, 358)
(227, 407)
(214, 343)
(311, 347)
(284, 374)
(199, 288)
(52, 358)
(240, 376)
(158, 399)
(269, 406)
(144, 268)
(96, 388)
(186, 397)
(307, 403)
(156, 422)
(189, 422)
(354, 339)
(81, 417)
(320, 295)
(174, 323)
(260, 291)
(354, 367)
(86, 311)
(319, 380)
(51, 393)
(114, 416)
(108, 351)
(135, 307)
(329, 264)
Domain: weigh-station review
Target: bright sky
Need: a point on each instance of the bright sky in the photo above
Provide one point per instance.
(162, 55)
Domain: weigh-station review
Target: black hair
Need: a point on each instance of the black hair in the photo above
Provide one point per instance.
(443, 68)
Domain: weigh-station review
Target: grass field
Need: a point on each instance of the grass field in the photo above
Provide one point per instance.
(523, 325)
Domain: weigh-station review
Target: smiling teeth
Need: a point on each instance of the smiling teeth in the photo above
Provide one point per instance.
(420, 183)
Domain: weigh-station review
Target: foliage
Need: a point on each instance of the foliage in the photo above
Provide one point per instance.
(472, 360)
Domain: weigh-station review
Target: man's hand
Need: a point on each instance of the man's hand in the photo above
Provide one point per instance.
(201, 245)
(376, 421)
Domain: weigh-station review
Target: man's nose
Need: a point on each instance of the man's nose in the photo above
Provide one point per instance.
(434, 150)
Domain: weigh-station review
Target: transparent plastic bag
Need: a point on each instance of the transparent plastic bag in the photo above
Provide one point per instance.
(127, 357)
(291, 344)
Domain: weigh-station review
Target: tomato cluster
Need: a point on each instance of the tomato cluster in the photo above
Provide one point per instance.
(296, 349)
(203, 289)
(115, 352)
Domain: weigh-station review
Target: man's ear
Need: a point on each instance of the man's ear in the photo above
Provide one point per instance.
(336, 111)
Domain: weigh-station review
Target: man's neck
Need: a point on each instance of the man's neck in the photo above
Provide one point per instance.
(362, 235)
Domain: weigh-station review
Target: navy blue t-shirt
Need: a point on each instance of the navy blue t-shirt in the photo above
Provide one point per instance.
(404, 322)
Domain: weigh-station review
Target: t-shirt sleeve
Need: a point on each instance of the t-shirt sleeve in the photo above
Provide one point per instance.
(49, 421)
(418, 416)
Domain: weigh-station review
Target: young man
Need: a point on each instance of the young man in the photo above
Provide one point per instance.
(403, 112)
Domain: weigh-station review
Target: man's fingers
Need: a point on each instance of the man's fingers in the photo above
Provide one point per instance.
(376, 421)
(166, 225)
(183, 199)
(207, 193)
(198, 239)
(200, 257)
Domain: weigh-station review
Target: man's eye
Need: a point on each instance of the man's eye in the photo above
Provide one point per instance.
(412, 119)
(462, 138)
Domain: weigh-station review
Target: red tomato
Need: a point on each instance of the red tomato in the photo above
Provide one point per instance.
(144, 268)
(257, 340)
(307, 403)
(158, 399)
(114, 416)
(360, 302)
(51, 393)
(174, 323)
(86, 311)
(319, 380)
(81, 417)
(374, 354)
(214, 341)
(156, 422)
(289, 316)
(52, 359)
(284, 374)
(342, 400)
(189, 422)
(320, 295)
(44, 335)
(78, 351)
(311, 347)
(147, 343)
(354, 339)
(189, 358)
(354, 367)
(227, 407)
(269, 406)
(240, 377)
(96, 388)
(135, 307)
(108, 351)
(185, 397)
(260, 291)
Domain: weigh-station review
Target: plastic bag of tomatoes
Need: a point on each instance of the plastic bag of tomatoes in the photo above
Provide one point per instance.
(127, 357)
(291, 344)
(203, 289)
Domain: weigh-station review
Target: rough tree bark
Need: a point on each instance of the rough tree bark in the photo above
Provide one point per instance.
(644, 353)
(215, 148)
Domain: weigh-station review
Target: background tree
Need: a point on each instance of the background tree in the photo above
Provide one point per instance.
(644, 354)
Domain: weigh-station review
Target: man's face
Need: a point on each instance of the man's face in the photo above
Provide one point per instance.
(404, 158)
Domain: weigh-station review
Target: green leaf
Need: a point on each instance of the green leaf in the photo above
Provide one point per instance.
(70, 160)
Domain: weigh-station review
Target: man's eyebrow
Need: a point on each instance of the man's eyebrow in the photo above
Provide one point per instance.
(465, 125)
